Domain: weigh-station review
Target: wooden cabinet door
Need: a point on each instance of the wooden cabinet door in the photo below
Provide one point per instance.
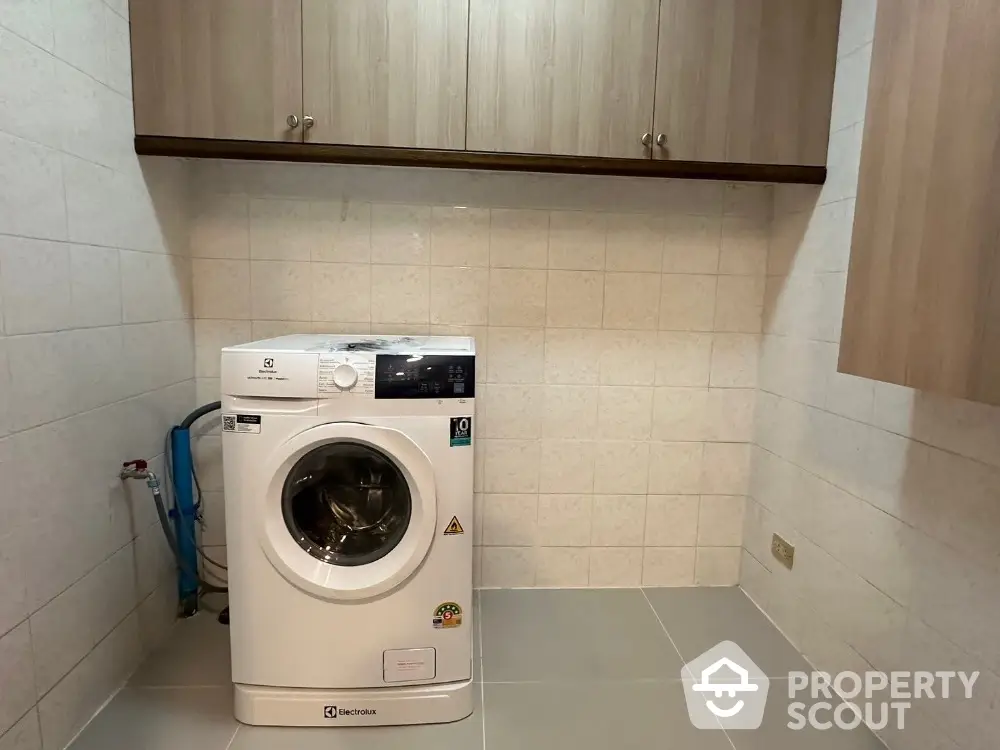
(217, 68)
(746, 81)
(562, 76)
(923, 285)
(386, 72)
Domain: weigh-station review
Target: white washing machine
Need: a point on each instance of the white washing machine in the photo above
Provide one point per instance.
(348, 474)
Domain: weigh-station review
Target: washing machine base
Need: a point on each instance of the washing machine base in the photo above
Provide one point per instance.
(291, 707)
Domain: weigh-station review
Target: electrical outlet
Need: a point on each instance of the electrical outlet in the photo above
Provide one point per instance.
(783, 551)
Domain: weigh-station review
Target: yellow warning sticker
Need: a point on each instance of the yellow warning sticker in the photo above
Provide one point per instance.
(454, 527)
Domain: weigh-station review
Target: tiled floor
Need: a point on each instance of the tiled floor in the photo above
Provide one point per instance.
(556, 668)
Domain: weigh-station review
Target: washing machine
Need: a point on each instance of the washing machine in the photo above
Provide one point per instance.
(348, 466)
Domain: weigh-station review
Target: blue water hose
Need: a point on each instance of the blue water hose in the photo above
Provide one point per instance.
(185, 513)
(185, 519)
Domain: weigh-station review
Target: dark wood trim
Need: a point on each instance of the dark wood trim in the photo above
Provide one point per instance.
(207, 148)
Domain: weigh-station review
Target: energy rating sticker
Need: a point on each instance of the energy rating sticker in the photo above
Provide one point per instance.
(448, 615)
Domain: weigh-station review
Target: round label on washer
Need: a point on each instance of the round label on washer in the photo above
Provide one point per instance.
(448, 615)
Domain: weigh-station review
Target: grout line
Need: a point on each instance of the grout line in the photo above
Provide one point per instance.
(684, 669)
(482, 676)
(233, 738)
(667, 632)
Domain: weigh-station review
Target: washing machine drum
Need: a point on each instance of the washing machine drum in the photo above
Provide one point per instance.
(346, 503)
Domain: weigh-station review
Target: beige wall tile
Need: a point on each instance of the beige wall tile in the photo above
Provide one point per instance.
(400, 294)
(575, 299)
(668, 566)
(400, 234)
(725, 469)
(517, 355)
(671, 520)
(720, 521)
(460, 236)
(508, 567)
(341, 292)
(512, 411)
(675, 468)
(572, 356)
(519, 238)
(621, 467)
(577, 240)
(744, 245)
(510, 520)
(683, 359)
(517, 297)
(627, 357)
(680, 414)
(280, 290)
(221, 228)
(631, 300)
(459, 296)
(729, 414)
(614, 567)
(570, 412)
(347, 237)
(635, 242)
(692, 244)
(567, 466)
(717, 566)
(687, 302)
(283, 230)
(222, 289)
(564, 520)
(618, 520)
(734, 360)
(510, 466)
(560, 567)
(739, 304)
(625, 413)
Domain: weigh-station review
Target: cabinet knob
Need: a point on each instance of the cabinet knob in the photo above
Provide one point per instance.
(647, 139)
(293, 121)
(661, 140)
(308, 122)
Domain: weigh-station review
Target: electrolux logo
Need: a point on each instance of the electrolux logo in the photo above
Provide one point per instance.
(332, 712)
(268, 362)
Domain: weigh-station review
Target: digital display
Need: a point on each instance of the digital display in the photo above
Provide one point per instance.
(425, 376)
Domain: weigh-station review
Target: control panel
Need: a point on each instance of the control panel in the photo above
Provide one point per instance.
(425, 376)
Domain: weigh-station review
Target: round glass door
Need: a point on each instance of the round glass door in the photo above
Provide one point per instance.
(346, 503)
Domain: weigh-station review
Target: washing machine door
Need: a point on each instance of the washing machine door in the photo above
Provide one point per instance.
(350, 510)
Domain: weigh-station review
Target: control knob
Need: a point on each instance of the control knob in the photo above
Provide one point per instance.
(345, 376)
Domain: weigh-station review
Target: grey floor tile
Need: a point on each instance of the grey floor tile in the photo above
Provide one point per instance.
(774, 733)
(197, 654)
(699, 618)
(466, 734)
(553, 635)
(163, 719)
(588, 716)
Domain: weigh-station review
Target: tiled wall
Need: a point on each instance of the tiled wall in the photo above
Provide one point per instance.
(892, 497)
(96, 360)
(617, 323)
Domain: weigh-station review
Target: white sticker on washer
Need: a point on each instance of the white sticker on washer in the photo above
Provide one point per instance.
(241, 423)
(363, 365)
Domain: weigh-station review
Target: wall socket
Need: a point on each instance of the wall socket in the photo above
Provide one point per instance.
(783, 551)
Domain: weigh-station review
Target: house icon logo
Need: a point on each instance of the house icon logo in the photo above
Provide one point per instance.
(724, 689)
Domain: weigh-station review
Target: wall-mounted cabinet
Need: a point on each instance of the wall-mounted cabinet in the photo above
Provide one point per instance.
(384, 72)
(216, 68)
(923, 286)
(736, 89)
(746, 81)
(568, 77)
